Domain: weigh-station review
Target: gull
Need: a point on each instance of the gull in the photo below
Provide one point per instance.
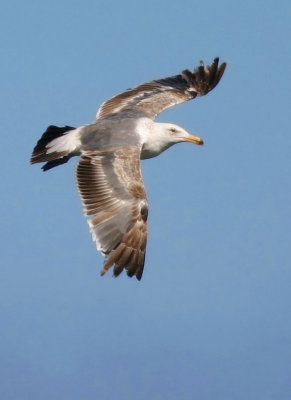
(108, 173)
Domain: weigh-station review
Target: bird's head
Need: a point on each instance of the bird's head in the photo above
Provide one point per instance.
(162, 136)
(176, 134)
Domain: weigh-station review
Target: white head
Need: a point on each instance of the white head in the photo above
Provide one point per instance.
(163, 136)
(175, 134)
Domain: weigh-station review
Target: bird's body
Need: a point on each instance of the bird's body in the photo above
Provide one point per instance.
(108, 173)
(152, 137)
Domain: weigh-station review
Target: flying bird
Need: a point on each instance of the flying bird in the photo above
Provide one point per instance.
(108, 174)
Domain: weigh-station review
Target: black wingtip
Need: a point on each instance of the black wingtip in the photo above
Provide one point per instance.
(204, 78)
(134, 272)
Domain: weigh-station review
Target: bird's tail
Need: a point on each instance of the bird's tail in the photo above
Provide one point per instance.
(51, 147)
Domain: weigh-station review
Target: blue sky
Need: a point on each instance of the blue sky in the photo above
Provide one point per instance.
(211, 317)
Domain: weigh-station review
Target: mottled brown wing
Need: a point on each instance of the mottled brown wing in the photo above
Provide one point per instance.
(153, 97)
(113, 196)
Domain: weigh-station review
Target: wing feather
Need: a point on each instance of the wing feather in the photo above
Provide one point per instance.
(113, 196)
(154, 97)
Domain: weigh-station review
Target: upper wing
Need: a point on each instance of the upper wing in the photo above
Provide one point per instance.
(153, 97)
(112, 192)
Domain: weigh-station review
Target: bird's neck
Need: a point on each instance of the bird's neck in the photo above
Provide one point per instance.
(153, 138)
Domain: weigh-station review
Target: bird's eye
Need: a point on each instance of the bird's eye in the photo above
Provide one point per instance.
(173, 130)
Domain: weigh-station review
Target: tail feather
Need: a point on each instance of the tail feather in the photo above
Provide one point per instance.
(40, 153)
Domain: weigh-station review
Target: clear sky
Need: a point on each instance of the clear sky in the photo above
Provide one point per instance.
(211, 317)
